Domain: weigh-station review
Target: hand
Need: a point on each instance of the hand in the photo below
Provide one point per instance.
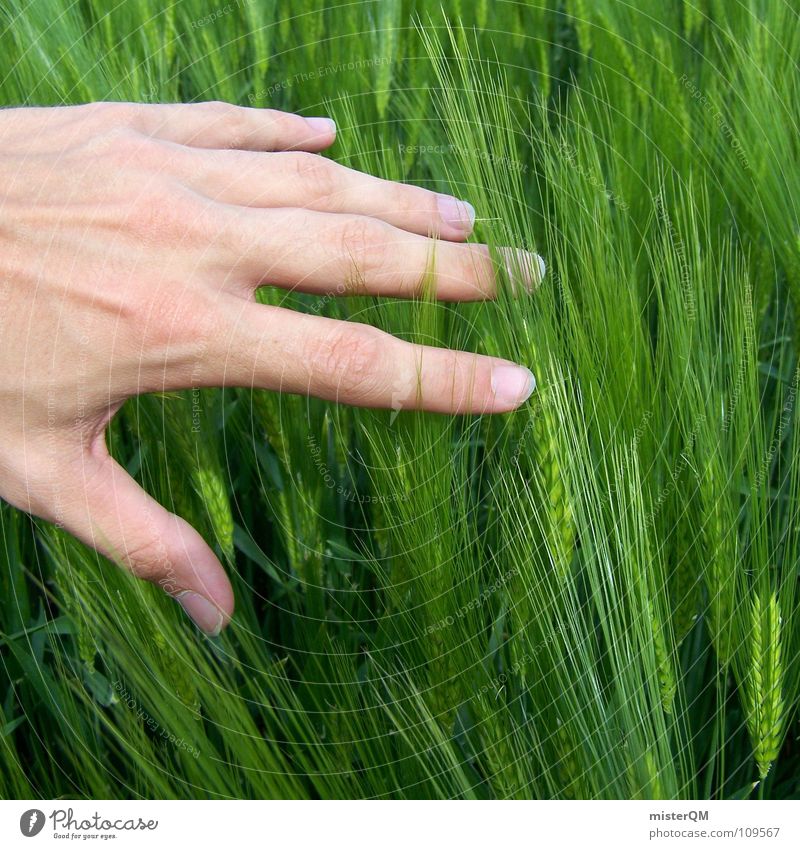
(132, 240)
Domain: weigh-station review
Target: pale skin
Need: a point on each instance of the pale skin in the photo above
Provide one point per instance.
(132, 241)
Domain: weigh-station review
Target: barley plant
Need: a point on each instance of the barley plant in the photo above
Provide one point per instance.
(593, 597)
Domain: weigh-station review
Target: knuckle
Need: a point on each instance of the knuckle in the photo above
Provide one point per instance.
(363, 250)
(233, 117)
(121, 146)
(416, 201)
(283, 127)
(221, 108)
(147, 558)
(315, 173)
(166, 213)
(107, 113)
(230, 233)
(174, 329)
(185, 327)
(150, 216)
(143, 151)
(348, 361)
(110, 140)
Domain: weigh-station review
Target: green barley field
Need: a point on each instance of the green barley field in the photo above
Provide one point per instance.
(593, 597)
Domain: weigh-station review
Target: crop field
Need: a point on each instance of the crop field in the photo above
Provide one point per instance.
(595, 596)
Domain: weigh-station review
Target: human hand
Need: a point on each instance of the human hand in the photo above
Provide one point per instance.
(132, 240)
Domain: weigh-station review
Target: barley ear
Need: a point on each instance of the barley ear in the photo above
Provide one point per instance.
(722, 553)
(568, 766)
(559, 523)
(763, 688)
(684, 578)
(178, 673)
(666, 672)
(211, 488)
(579, 14)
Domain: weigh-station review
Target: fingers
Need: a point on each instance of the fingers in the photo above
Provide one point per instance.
(119, 519)
(304, 180)
(218, 125)
(282, 350)
(322, 253)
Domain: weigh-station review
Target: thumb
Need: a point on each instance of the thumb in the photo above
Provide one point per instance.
(115, 516)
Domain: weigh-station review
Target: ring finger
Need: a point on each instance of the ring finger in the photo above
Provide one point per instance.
(323, 253)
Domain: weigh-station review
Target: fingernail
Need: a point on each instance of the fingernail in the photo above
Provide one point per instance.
(323, 126)
(512, 385)
(457, 213)
(201, 611)
(522, 265)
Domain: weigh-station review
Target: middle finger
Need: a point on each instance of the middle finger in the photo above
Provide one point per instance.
(296, 179)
